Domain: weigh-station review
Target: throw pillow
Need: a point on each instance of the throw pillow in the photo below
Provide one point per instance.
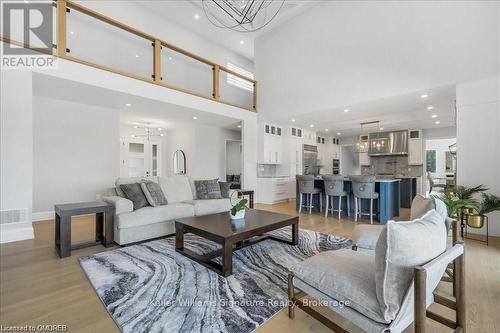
(153, 193)
(224, 189)
(134, 193)
(400, 248)
(420, 206)
(207, 189)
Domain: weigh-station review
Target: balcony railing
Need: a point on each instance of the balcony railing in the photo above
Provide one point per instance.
(90, 38)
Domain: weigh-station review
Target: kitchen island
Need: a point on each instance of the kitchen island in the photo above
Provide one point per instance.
(389, 198)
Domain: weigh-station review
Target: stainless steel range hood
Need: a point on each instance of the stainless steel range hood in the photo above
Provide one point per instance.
(388, 143)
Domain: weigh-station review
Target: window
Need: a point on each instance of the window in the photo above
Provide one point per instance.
(431, 160)
(237, 81)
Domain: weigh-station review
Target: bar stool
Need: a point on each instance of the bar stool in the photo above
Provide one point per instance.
(334, 187)
(363, 187)
(306, 186)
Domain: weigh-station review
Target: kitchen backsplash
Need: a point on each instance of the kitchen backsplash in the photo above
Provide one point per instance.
(392, 165)
(272, 170)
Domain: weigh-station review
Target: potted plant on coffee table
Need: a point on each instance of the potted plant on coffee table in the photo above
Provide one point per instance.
(237, 212)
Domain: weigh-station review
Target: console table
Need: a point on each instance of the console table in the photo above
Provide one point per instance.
(103, 226)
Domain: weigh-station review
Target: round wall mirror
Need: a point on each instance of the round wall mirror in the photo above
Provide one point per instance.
(179, 163)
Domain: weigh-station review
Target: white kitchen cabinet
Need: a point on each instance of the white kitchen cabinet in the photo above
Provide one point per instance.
(364, 159)
(415, 153)
(272, 146)
(273, 190)
(295, 151)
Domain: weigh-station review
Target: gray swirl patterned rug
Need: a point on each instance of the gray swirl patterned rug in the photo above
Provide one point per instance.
(151, 288)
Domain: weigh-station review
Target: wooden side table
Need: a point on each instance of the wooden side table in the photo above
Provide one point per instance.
(250, 195)
(103, 226)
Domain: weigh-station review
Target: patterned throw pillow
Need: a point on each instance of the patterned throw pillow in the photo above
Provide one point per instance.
(224, 189)
(153, 193)
(207, 189)
(134, 193)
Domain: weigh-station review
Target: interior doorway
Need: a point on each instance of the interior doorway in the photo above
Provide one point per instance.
(440, 163)
(234, 159)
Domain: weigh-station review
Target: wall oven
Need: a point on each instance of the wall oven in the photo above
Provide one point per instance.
(336, 167)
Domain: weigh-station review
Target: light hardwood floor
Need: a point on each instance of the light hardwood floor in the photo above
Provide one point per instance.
(36, 287)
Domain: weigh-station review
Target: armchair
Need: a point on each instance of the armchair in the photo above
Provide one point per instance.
(388, 291)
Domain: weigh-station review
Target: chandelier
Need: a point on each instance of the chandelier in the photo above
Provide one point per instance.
(150, 132)
(241, 15)
(363, 143)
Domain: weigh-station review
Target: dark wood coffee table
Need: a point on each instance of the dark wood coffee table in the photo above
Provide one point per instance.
(220, 229)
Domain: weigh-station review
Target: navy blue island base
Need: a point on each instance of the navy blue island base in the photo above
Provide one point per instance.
(389, 199)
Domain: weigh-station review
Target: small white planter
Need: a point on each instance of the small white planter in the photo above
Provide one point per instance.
(238, 216)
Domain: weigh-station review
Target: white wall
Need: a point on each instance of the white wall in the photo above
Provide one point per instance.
(76, 152)
(233, 157)
(441, 148)
(204, 147)
(478, 139)
(16, 147)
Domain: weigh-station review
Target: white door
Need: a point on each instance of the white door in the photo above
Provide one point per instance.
(140, 158)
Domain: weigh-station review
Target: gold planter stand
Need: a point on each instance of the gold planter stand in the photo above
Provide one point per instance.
(477, 221)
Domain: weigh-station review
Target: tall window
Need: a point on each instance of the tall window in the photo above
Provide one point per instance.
(237, 81)
(430, 157)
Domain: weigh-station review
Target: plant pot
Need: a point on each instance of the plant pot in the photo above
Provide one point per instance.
(468, 211)
(475, 220)
(238, 216)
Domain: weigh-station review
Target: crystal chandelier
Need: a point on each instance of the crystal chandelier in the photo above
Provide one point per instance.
(241, 15)
(150, 132)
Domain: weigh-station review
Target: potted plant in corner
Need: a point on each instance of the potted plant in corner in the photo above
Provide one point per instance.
(489, 204)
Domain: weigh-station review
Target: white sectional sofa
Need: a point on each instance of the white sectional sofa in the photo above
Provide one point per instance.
(132, 226)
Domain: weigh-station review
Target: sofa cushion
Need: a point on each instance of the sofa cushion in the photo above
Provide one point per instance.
(343, 275)
(207, 189)
(400, 247)
(176, 188)
(211, 206)
(134, 193)
(130, 180)
(153, 193)
(420, 205)
(150, 215)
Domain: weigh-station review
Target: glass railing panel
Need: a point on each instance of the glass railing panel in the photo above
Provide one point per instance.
(103, 44)
(186, 73)
(235, 90)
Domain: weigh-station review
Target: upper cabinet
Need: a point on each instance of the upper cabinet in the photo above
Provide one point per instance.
(272, 150)
(415, 147)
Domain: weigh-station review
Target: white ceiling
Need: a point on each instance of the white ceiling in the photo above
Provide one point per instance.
(142, 111)
(182, 12)
(374, 57)
(408, 111)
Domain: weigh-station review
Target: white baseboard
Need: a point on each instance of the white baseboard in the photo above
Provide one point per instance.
(14, 235)
(42, 216)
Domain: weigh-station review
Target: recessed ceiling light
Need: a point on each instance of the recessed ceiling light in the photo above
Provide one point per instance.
(197, 16)
(128, 105)
(137, 56)
(194, 117)
(434, 116)
(242, 42)
(160, 129)
(424, 96)
(311, 125)
(72, 32)
(437, 122)
(239, 126)
(132, 136)
(381, 128)
(293, 120)
(136, 126)
(346, 110)
(326, 129)
(338, 133)
(169, 58)
(161, 134)
(430, 107)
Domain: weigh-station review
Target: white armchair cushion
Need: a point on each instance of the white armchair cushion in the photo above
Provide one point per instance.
(343, 275)
(122, 205)
(400, 247)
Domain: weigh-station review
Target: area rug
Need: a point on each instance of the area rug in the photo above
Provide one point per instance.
(151, 288)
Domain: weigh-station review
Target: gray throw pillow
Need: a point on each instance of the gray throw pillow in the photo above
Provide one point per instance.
(207, 189)
(134, 193)
(400, 247)
(224, 189)
(153, 193)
